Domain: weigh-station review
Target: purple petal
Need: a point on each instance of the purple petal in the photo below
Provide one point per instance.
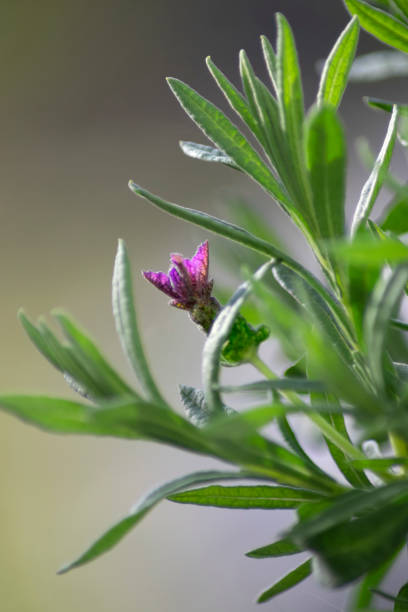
(199, 264)
(178, 283)
(161, 281)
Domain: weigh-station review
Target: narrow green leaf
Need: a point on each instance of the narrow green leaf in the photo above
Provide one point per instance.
(237, 441)
(37, 339)
(219, 335)
(226, 136)
(299, 385)
(403, 6)
(352, 473)
(364, 592)
(153, 422)
(265, 108)
(386, 296)
(367, 251)
(91, 359)
(255, 497)
(289, 83)
(347, 506)
(235, 99)
(66, 360)
(380, 463)
(375, 181)
(401, 603)
(351, 549)
(396, 216)
(206, 153)
(385, 105)
(399, 324)
(113, 536)
(314, 305)
(54, 414)
(126, 324)
(294, 577)
(291, 107)
(281, 548)
(380, 24)
(336, 69)
(326, 162)
(270, 61)
(402, 131)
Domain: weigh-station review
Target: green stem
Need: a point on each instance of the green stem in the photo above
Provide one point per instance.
(325, 428)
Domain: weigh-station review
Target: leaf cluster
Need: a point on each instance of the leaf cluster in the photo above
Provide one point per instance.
(340, 334)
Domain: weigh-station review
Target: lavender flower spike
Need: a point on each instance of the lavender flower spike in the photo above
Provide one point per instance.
(187, 284)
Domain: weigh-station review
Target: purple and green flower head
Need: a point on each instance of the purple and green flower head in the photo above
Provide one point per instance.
(187, 284)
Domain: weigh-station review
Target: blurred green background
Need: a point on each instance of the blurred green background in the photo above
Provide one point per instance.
(84, 107)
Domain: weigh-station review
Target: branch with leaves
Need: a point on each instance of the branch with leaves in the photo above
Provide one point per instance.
(344, 336)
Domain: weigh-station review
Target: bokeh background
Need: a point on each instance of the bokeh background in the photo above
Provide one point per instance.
(83, 108)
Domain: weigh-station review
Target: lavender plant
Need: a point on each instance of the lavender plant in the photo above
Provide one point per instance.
(343, 336)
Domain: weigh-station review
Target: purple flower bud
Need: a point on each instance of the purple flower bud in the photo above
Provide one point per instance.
(187, 284)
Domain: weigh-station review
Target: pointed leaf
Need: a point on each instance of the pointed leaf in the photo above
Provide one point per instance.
(401, 603)
(126, 324)
(55, 414)
(385, 105)
(380, 24)
(336, 69)
(219, 335)
(234, 98)
(289, 83)
(351, 549)
(67, 361)
(375, 181)
(314, 305)
(403, 6)
(37, 339)
(113, 536)
(299, 385)
(326, 162)
(281, 548)
(347, 506)
(206, 153)
(91, 359)
(386, 296)
(302, 572)
(154, 422)
(371, 252)
(270, 61)
(257, 496)
(226, 136)
(396, 216)
(365, 591)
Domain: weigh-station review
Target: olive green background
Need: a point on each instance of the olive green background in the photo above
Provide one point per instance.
(83, 108)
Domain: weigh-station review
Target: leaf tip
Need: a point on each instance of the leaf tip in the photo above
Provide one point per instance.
(65, 569)
(134, 187)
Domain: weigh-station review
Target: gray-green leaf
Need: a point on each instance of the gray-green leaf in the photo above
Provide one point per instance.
(336, 69)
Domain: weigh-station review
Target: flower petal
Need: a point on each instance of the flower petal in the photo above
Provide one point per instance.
(198, 265)
(161, 281)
